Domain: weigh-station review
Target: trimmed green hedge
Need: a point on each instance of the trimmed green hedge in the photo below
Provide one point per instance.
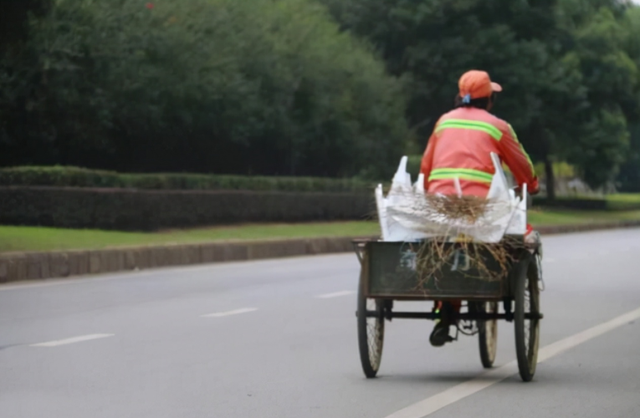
(571, 203)
(624, 201)
(145, 210)
(618, 202)
(79, 177)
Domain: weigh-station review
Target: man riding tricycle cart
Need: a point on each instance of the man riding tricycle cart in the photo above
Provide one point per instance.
(457, 237)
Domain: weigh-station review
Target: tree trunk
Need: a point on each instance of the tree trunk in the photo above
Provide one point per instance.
(549, 179)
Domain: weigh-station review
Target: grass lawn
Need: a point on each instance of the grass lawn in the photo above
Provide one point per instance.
(17, 238)
(24, 238)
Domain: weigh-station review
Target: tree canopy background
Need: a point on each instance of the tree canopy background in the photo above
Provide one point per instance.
(313, 87)
(223, 86)
(571, 85)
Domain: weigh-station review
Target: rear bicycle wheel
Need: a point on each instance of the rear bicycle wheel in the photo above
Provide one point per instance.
(487, 334)
(527, 317)
(370, 332)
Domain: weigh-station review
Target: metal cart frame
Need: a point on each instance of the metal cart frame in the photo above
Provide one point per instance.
(388, 275)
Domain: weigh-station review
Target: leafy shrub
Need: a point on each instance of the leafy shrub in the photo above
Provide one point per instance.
(155, 209)
(80, 177)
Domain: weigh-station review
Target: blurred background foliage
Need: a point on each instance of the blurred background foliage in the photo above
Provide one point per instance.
(569, 69)
(331, 88)
(250, 87)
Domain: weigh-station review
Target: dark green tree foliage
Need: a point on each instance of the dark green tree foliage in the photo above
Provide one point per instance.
(15, 75)
(611, 81)
(629, 177)
(569, 85)
(223, 86)
(14, 20)
(434, 42)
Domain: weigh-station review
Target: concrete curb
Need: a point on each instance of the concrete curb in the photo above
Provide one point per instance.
(20, 266)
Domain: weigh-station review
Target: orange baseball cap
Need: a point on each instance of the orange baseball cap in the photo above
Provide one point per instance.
(477, 84)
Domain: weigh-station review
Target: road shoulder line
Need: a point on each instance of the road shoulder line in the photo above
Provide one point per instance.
(72, 340)
(436, 402)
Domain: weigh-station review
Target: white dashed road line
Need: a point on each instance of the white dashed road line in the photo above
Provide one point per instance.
(229, 313)
(336, 294)
(430, 405)
(72, 340)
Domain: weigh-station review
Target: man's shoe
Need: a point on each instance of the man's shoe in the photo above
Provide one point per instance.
(440, 335)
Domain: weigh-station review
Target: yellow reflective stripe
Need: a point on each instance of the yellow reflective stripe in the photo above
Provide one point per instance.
(461, 177)
(488, 128)
(468, 171)
(461, 173)
(515, 137)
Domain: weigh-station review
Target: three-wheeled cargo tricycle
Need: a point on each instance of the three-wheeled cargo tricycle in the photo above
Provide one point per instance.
(389, 273)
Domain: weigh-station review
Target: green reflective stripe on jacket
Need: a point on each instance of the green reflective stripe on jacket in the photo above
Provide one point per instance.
(513, 133)
(471, 124)
(460, 176)
(469, 171)
(515, 138)
(461, 173)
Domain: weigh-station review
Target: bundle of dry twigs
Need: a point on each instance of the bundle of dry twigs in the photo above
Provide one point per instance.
(482, 261)
(465, 208)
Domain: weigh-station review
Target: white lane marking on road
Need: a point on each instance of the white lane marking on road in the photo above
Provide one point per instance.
(336, 294)
(430, 405)
(229, 313)
(72, 340)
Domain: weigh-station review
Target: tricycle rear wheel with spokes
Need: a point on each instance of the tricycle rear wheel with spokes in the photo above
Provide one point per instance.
(370, 332)
(487, 334)
(526, 317)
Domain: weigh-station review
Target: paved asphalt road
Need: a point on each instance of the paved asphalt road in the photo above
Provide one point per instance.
(277, 339)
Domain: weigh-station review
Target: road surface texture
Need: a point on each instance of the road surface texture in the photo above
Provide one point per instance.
(277, 338)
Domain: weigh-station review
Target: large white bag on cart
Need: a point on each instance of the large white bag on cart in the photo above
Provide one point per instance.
(402, 216)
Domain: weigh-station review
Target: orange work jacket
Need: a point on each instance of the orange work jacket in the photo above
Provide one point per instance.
(461, 146)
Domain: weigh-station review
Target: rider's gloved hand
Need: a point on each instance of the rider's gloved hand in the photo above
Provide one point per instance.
(518, 191)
